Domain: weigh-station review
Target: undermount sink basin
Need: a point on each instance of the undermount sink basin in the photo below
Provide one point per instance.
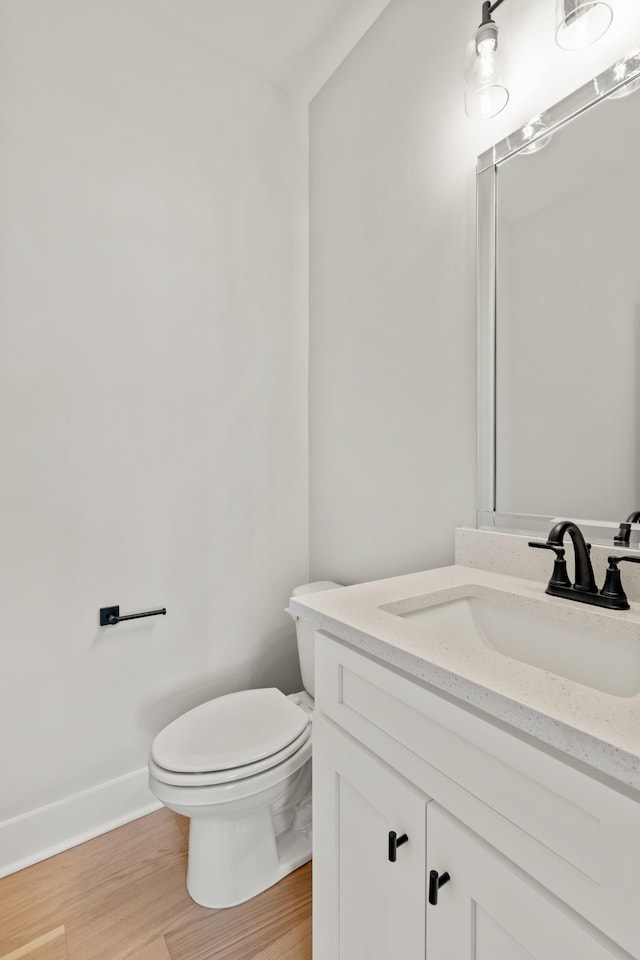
(596, 657)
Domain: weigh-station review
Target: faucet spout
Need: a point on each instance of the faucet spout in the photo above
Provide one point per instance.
(585, 580)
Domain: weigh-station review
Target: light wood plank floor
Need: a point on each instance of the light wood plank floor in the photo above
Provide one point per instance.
(122, 896)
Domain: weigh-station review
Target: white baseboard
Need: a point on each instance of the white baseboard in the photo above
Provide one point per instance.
(43, 832)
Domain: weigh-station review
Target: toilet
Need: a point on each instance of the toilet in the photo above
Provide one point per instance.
(239, 767)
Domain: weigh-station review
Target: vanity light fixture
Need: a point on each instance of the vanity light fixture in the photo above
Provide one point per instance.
(579, 23)
(484, 93)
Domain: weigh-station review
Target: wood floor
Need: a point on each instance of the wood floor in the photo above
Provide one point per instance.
(122, 896)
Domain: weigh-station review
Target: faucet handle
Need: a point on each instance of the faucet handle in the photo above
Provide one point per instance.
(559, 577)
(614, 561)
(559, 551)
(613, 588)
(623, 536)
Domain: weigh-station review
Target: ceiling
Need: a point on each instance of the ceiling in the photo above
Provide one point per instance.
(294, 44)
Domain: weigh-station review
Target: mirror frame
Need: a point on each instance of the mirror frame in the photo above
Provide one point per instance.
(622, 72)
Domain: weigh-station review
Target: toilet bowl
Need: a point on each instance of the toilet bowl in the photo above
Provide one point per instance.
(239, 767)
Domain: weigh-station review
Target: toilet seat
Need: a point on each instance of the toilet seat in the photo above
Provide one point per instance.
(230, 738)
(213, 777)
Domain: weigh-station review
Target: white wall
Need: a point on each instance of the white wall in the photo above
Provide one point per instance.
(153, 387)
(392, 375)
(153, 338)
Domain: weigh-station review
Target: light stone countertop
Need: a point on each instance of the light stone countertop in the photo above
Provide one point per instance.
(591, 728)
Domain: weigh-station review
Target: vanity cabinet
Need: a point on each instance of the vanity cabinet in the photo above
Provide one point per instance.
(544, 861)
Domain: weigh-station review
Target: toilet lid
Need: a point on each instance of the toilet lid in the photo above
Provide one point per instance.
(229, 732)
(227, 778)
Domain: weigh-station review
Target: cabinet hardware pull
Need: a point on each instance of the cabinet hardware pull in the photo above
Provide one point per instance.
(436, 881)
(394, 842)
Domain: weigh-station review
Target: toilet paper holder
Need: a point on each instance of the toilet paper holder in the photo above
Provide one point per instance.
(110, 616)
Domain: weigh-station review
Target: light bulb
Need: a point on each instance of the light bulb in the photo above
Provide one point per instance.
(484, 94)
(486, 46)
(487, 65)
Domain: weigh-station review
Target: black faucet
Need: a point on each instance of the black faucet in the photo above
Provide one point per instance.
(623, 536)
(585, 589)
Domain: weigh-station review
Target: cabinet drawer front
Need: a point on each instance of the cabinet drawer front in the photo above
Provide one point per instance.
(568, 831)
(490, 910)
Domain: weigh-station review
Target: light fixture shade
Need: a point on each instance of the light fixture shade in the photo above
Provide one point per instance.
(579, 23)
(484, 92)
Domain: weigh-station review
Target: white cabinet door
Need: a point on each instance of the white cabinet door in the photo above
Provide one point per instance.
(365, 906)
(490, 910)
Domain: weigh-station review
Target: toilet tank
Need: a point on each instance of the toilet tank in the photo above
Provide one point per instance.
(305, 631)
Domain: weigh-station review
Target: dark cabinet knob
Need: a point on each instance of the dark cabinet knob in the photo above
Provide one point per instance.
(394, 842)
(436, 880)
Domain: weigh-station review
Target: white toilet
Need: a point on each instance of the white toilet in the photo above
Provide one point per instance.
(240, 767)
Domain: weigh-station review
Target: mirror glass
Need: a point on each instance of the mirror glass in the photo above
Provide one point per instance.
(567, 317)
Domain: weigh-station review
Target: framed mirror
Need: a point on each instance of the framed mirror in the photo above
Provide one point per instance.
(559, 313)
